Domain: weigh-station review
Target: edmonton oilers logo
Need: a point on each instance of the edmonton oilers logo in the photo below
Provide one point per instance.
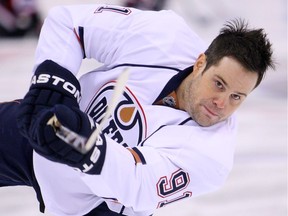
(127, 125)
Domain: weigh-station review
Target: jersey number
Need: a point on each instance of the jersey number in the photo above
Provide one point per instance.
(178, 181)
(121, 10)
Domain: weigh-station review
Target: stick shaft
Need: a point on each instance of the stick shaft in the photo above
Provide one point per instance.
(80, 143)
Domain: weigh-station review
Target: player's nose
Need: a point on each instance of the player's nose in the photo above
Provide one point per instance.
(220, 101)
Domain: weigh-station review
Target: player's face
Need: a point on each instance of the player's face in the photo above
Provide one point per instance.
(212, 95)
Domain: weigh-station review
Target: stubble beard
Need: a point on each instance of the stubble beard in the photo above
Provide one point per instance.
(195, 109)
(198, 116)
(194, 106)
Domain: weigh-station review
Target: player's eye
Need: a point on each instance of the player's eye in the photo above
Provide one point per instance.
(219, 85)
(235, 97)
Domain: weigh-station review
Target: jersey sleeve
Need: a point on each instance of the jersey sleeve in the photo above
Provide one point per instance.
(175, 162)
(114, 35)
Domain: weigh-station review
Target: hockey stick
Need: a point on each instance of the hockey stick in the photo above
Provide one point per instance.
(83, 144)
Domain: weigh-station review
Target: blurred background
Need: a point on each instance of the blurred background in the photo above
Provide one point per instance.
(257, 185)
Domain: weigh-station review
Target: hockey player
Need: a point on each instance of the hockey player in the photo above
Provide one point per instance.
(172, 133)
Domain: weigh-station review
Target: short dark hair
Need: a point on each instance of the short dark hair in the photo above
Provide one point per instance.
(250, 47)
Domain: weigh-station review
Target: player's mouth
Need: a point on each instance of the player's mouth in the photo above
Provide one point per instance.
(209, 112)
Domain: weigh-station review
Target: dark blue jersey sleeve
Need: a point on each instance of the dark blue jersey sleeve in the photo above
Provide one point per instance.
(16, 155)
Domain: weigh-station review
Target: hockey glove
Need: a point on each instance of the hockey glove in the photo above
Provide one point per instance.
(50, 85)
(49, 145)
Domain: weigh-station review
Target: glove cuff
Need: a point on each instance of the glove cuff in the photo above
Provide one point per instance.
(54, 77)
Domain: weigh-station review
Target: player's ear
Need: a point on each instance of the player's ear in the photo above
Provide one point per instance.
(200, 63)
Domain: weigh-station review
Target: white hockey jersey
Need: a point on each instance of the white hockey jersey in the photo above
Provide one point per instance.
(155, 154)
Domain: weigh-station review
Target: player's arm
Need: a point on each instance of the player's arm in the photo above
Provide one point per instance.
(71, 33)
(175, 162)
(115, 35)
(170, 166)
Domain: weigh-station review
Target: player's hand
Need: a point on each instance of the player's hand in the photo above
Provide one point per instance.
(50, 85)
(48, 144)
